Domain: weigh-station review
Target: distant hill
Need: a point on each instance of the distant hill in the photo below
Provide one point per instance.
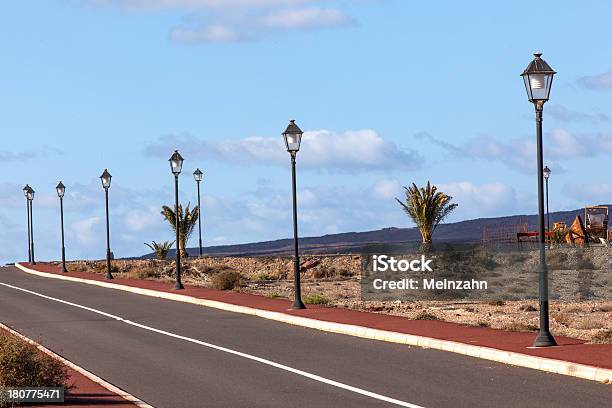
(469, 231)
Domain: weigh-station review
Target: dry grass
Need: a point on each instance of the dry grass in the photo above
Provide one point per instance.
(589, 323)
(603, 337)
(425, 315)
(519, 327)
(316, 299)
(528, 308)
(226, 280)
(23, 365)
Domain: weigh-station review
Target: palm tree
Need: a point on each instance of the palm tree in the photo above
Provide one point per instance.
(427, 207)
(187, 221)
(161, 249)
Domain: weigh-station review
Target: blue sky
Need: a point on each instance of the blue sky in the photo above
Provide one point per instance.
(388, 92)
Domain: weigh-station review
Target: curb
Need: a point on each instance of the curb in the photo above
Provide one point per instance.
(115, 390)
(583, 371)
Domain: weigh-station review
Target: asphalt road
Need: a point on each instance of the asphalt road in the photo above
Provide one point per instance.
(172, 354)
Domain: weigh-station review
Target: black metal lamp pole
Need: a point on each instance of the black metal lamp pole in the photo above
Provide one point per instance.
(546, 173)
(106, 182)
(25, 192)
(31, 202)
(197, 175)
(176, 163)
(293, 138)
(538, 78)
(61, 189)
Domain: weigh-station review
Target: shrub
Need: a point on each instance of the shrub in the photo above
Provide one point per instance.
(161, 249)
(584, 263)
(276, 295)
(143, 273)
(316, 300)
(496, 303)
(589, 323)
(557, 260)
(23, 365)
(263, 276)
(425, 315)
(603, 337)
(100, 267)
(520, 327)
(323, 272)
(605, 308)
(563, 319)
(528, 308)
(226, 280)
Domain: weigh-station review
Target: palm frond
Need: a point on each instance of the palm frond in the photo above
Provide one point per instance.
(427, 207)
(187, 221)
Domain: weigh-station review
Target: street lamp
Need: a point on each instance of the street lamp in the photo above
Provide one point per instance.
(176, 164)
(61, 190)
(546, 174)
(197, 175)
(30, 197)
(293, 138)
(25, 193)
(106, 182)
(538, 77)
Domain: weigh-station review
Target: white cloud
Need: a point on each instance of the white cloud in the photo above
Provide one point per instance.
(304, 18)
(601, 81)
(253, 26)
(212, 33)
(141, 219)
(563, 114)
(387, 189)
(211, 21)
(481, 200)
(560, 145)
(189, 5)
(42, 152)
(84, 231)
(362, 150)
(599, 193)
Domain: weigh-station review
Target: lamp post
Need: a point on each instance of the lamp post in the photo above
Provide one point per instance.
(293, 138)
(61, 190)
(25, 193)
(106, 182)
(538, 77)
(176, 164)
(197, 175)
(546, 174)
(30, 197)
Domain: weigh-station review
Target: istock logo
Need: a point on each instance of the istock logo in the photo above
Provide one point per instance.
(383, 263)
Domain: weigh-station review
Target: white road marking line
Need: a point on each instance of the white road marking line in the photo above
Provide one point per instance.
(229, 351)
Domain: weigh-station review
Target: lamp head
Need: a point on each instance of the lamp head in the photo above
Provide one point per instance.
(176, 162)
(538, 77)
(293, 137)
(61, 189)
(106, 179)
(197, 175)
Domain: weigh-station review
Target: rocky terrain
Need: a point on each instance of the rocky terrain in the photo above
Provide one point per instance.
(335, 281)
